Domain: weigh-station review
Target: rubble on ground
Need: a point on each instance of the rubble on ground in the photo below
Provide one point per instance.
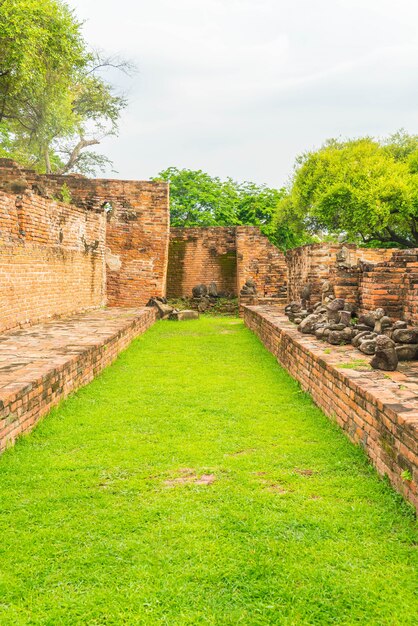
(335, 320)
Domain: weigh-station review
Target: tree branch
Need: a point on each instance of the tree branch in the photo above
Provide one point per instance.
(75, 154)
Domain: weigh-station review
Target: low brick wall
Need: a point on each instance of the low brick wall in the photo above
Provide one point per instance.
(42, 365)
(227, 256)
(375, 410)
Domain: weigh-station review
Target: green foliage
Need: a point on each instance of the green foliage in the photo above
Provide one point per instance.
(362, 191)
(406, 475)
(53, 103)
(197, 199)
(221, 307)
(101, 522)
(66, 194)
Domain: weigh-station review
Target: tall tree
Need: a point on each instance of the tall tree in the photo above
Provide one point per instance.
(53, 102)
(197, 199)
(364, 191)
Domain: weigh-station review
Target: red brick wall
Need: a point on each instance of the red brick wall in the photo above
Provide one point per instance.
(393, 285)
(314, 264)
(137, 242)
(137, 227)
(51, 259)
(261, 261)
(227, 256)
(372, 415)
(201, 255)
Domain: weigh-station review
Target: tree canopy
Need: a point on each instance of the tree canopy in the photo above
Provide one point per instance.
(54, 102)
(363, 191)
(197, 199)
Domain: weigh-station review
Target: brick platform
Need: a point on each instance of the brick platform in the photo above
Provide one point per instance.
(41, 365)
(378, 410)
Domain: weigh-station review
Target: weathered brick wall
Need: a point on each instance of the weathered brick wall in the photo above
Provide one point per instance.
(339, 264)
(51, 259)
(309, 265)
(393, 285)
(226, 256)
(137, 226)
(261, 261)
(202, 255)
(137, 242)
(372, 414)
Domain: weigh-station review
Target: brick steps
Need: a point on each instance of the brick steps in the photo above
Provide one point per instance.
(41, 365)
(379, 411)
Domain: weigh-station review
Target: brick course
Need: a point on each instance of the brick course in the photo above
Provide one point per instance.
(393, 285)
(377, 411)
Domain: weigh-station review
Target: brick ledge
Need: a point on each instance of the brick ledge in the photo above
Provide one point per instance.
(378, 410)
(43, 364)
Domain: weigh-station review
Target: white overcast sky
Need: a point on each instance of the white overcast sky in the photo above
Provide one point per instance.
(240, 87)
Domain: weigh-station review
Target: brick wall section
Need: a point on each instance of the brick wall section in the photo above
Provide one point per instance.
(92, 342)
(137, 228)
(309, 265)
(202, 255)
(368, 407)
(137, 242)
(261, 261)
(393, 285)
(227, 256)
(51, 259)
(314, 264)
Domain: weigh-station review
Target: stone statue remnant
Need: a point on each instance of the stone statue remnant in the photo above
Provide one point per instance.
(335, 320)
(249, 288)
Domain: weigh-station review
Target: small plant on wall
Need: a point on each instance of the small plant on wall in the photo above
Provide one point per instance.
(65, 194)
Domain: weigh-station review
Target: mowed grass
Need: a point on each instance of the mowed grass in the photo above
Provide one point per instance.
(104, 518)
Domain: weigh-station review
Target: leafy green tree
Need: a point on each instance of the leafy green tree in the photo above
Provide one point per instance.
(362, 191)
(54, 103)
(197, 199)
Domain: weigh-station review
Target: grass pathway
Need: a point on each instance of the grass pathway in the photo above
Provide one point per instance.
(194, 483)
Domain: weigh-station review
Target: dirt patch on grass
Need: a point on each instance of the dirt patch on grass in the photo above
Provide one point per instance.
(276, 488)
(188, 476)
(304, 472)
(242, 452)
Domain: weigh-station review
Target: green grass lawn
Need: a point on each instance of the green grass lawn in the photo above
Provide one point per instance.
(194, 483)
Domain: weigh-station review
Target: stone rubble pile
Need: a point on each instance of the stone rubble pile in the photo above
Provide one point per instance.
(166, 311)
(375, 334)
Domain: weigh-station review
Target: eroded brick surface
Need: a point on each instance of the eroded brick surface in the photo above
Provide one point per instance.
(124, 222)
(261, 261)
(51, 259)
(226, 256)
(202, 255)
(378, 411)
